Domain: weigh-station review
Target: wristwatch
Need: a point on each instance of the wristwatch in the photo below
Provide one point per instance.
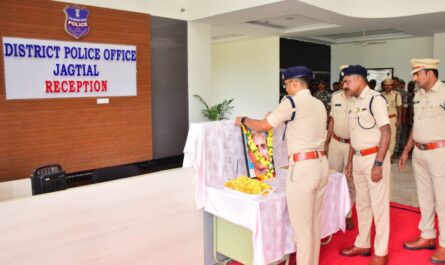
(378, 163)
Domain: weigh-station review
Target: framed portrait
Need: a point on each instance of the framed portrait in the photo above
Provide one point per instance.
(380, 74)
(258, 153)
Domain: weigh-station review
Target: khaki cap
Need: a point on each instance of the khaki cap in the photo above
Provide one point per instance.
(426, 63)
(343, 66)
(388, 81)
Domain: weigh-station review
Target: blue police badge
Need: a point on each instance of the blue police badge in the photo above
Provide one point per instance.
(76, 23)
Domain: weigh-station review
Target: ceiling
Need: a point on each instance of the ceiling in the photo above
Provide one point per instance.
(300, 20)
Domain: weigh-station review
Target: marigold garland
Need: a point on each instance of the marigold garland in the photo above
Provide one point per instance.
(248, 185)
(267, 163)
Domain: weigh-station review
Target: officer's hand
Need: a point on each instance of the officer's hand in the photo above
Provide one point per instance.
(238, 120)
(402, 160)
(348, 170)
(376, 174)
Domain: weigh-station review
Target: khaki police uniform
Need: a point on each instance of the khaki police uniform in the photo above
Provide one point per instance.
(339, 149)
(307, 179)
(393, 100)
(372, 199)
(429, 127)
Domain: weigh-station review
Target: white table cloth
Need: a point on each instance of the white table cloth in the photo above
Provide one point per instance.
(214, 149)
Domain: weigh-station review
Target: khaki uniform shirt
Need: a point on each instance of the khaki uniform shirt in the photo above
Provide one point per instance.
(307, 132)
(363, 127)
(429, 114)
(339, 113)
(393, 100)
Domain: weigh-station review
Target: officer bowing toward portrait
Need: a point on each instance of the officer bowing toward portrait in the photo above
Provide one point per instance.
(369, 164)
(428, 139)
(307, 180)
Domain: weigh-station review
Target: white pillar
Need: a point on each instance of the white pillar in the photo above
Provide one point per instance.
(199, 67)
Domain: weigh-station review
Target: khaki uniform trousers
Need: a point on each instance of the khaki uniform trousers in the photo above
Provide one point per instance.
(372, 200)
(306, 183)
(338, 158)
(392, 143)
(430, 181)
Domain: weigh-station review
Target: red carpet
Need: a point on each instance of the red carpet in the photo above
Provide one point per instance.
(404, 222)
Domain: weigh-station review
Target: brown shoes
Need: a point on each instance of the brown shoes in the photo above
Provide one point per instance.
(439, 256)
(420, 243)
(349, 224)
(355, 251)
(379, 260)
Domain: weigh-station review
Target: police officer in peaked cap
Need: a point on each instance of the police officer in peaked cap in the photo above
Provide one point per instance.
(307, 180)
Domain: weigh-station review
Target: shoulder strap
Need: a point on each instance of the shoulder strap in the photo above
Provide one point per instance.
(372, 99)
(292, 102)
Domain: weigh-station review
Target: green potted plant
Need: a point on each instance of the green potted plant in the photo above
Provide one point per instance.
(217, 112)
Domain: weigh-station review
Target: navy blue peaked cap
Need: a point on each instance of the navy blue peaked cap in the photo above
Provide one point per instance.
(354, 70)
(296, 71)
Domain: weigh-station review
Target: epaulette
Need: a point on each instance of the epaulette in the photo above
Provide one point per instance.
(338, 92)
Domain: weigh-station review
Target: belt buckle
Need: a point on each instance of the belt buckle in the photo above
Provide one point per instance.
(357, 153)
(422, 147)
(342, 140)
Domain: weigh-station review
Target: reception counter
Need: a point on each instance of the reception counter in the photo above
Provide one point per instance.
(148, 219)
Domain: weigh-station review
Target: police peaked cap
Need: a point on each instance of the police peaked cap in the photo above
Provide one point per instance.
(296, 71)
(354, 70)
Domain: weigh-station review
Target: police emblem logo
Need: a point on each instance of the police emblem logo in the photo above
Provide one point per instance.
(76, 23)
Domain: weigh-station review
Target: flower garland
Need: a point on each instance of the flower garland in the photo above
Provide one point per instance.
(267, 163)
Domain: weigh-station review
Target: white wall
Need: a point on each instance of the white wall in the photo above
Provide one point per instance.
(439, 53)
(199, 66)
(393, 53)
(248, 71)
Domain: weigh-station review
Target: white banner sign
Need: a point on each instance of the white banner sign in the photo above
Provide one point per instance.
(61, 69)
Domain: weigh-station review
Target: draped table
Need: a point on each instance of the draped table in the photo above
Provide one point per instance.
(215, 151)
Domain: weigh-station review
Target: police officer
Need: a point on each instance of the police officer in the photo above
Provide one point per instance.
(369, 164)
(337, 140)
(394, 102)
(308, 167)
(428, 139)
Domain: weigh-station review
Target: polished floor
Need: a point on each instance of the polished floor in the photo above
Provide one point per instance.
(403, 185)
